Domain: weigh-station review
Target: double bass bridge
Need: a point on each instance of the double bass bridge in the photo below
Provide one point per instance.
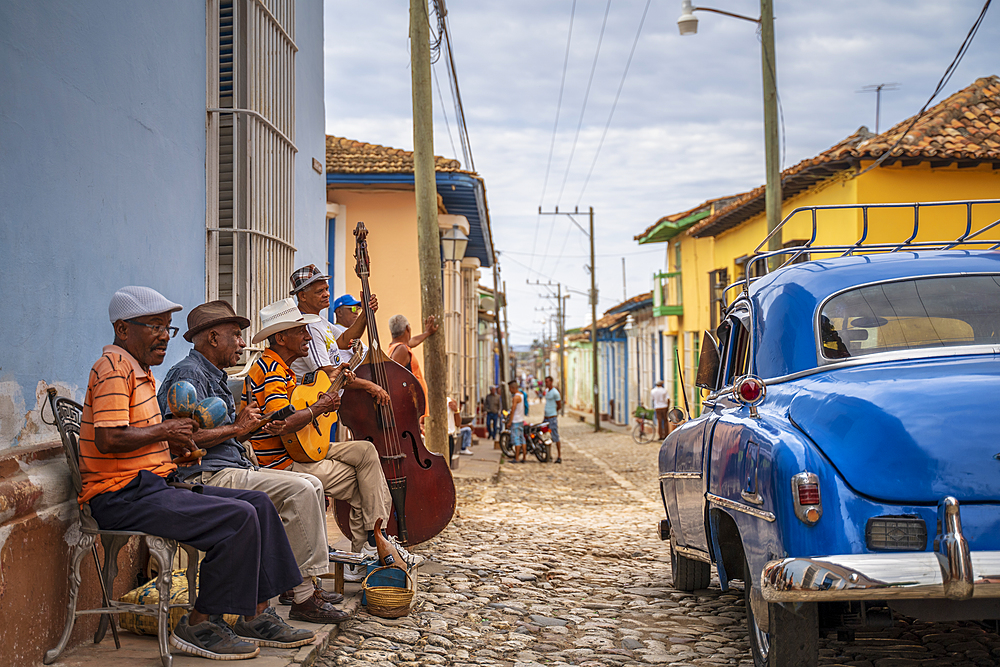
(393, 457)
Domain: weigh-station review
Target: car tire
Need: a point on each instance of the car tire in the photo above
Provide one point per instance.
(793, 634)
(505, 446)
(688, 574)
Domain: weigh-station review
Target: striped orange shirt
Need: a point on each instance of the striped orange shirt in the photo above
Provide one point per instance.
(119, 393)
(269, 384)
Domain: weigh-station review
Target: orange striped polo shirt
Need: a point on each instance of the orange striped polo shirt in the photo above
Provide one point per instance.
(269, 383)
(119, 393)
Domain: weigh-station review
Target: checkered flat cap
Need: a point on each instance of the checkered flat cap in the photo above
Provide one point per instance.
(136, 301)
(307, 275)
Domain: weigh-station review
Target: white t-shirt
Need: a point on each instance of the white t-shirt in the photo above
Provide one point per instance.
(659, 396)
(323, 350)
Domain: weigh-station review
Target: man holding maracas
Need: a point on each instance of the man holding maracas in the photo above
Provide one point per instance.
(216, 331)
(129, 482)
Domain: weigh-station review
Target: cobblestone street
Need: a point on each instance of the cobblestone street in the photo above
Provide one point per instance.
(561, 565)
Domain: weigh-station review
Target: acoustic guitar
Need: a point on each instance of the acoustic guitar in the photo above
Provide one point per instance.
(312, 442)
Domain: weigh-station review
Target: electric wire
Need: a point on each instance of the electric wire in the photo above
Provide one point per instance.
(444, 113)
(586, 97)
(555, 126)
(945, 78)
(614, 106)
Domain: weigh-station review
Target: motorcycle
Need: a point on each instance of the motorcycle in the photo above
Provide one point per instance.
(536, 438)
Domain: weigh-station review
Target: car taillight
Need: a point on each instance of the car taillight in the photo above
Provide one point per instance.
(806, 497)
(809, 494)
(750, 389)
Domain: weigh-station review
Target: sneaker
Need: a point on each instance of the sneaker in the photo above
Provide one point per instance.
(411, 560)
(268, 629)
(314, 610)
(355, 573)
(467, 452)
(212, 639)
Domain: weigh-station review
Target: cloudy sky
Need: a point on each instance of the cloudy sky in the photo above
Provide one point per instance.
(688, 125)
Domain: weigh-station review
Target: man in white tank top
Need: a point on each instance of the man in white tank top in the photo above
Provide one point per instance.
(515, 423)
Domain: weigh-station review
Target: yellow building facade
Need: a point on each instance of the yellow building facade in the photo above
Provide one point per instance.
(951, 153)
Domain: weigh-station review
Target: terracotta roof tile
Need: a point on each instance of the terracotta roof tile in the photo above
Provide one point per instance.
(347, 156)
(965, 127)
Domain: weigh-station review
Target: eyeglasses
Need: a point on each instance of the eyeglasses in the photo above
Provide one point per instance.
(352, 309)
(158, 329)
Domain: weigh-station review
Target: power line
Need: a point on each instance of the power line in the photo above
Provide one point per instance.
(443, 112)
(608, 254)
(586, 96)
(555, 126)
(962, 50)
(615, 105)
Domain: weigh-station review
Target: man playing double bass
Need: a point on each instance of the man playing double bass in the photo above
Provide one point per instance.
(351, 470)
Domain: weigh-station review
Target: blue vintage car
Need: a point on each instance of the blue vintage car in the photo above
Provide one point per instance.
(846, 464)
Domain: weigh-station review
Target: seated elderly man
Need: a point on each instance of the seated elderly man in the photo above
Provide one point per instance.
(351, 470)
(216, 331)
(129, 481)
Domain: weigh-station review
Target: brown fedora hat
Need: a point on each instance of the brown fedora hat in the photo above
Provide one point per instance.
(210, 314)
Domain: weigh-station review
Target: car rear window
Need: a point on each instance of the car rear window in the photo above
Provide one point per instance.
(912, 314)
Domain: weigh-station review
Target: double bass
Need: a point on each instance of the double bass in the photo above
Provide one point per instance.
(420, 482)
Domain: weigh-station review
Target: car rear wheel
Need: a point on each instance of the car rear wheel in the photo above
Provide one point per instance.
(688, 574)
(792, 638)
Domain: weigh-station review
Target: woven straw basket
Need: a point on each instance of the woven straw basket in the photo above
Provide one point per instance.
(388, 601)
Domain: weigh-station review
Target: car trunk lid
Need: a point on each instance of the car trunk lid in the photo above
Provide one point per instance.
(908, 431)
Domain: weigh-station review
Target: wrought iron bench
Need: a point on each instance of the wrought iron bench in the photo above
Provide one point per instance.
(67, 419)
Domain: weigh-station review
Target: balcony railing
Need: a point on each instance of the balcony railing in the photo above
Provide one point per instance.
(667, 294)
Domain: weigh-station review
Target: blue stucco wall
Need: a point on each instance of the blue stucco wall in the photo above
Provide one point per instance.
(102, 183)
(310, 136)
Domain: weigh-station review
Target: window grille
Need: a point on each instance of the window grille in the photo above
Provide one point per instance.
(250, 161)
(718, 280)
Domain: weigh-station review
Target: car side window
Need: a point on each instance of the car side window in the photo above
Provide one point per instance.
(734, 344)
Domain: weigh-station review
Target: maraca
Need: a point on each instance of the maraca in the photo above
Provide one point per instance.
(211, 412)
(182, 399)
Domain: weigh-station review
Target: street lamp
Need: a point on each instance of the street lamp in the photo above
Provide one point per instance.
(688, 25)
(453, 244)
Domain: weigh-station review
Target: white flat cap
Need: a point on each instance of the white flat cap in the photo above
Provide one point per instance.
(135, 301)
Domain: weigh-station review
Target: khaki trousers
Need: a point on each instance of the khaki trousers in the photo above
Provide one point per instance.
(300, 504)
(352, 471)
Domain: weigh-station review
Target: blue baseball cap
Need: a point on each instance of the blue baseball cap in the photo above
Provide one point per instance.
(345, 300)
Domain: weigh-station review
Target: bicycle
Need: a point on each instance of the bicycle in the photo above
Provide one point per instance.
(645, 426)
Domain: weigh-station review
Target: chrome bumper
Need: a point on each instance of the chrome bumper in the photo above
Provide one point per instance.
(953, 572)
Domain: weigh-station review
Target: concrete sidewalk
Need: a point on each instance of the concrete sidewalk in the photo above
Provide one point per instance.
(483, 464)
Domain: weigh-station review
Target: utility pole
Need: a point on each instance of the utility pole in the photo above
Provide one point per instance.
(428, 236)
(506, 340)
(624, 286)
(560, 332)
(772, 188)
(593, 303)
(502, 357)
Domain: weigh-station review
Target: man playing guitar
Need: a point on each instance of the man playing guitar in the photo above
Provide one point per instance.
(351, 470)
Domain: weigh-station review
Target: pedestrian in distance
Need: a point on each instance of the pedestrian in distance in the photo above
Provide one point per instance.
(553, 404)
(492, 405)
(515, 423)
(661, 406)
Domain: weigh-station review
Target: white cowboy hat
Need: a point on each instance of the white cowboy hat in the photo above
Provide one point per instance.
(282, 315)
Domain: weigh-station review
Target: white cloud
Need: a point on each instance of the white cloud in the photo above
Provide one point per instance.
(688, 126)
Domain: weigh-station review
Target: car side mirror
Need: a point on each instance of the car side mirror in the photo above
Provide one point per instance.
(676, 416)
(708, 365)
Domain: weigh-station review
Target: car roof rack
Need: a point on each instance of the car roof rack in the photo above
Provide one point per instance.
(759, 262)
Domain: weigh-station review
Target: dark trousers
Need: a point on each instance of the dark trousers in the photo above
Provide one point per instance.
(661, 422)
(492, 425)
(247, 557)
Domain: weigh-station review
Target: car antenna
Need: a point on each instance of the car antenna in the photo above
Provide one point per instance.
(680, 371)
